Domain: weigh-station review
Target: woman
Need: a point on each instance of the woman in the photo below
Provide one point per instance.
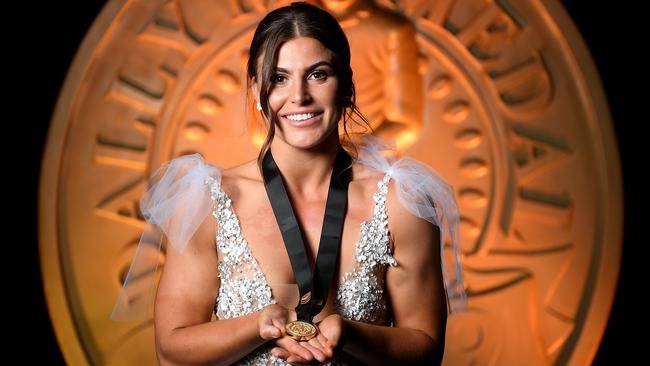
(377, 294)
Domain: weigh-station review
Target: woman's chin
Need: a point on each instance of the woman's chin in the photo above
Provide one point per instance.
(304, 140)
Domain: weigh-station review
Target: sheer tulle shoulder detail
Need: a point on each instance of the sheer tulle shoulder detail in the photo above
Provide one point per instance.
(177, 202)
(179, 198)
(429, 196)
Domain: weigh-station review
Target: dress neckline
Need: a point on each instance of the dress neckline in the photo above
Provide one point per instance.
(376, 212)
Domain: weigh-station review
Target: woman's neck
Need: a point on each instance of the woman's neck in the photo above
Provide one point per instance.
(306, 173)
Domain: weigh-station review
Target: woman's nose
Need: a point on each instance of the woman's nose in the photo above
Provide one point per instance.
(300, 93)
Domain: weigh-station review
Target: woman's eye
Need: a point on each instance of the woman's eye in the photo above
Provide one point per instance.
(319, 74)
(277, 78)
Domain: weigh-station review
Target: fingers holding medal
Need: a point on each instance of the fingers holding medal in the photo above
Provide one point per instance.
(301, 331)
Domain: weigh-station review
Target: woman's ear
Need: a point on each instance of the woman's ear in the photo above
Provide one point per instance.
(254, 87)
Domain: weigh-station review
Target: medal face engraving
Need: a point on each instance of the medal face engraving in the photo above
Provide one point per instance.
(301, 331)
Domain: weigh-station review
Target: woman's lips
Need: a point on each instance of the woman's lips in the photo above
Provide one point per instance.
(306, 122)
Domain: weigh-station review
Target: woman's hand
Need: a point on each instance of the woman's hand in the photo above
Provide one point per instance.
(271, 324)
(271, 321)
(329, 341)
(334, 328)
(317, 348)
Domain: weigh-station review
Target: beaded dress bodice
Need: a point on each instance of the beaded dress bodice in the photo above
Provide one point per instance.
(244, 288)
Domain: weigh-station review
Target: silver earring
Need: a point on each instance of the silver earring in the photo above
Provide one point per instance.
(258, 106)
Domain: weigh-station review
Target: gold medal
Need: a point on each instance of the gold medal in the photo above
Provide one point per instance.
(301, 331)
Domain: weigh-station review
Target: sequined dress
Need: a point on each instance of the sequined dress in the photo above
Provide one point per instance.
(244, 288)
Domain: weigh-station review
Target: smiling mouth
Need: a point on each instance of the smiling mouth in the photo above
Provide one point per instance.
(304, 119)
(301, 116)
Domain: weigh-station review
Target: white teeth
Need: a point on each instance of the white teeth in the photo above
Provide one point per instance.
(300, 117)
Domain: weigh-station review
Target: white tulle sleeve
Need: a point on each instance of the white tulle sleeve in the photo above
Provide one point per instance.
(177, 202)
(427, 195)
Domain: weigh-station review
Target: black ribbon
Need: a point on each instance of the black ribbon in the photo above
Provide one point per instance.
(313, 288)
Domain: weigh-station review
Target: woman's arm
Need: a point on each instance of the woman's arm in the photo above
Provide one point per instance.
(185, 299)
(185, 334)
(221, 342)
(416, 293)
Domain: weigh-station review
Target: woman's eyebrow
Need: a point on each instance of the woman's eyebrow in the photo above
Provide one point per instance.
(308, 68)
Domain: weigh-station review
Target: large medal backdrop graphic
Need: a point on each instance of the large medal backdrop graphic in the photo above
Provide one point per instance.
(500, 97)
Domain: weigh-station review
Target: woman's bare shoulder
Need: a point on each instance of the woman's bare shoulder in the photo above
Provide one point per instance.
(403, 224)
(237, 177)
(360, 171)
(365, 176)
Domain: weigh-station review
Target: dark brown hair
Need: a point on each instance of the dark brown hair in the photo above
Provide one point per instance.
(301, 19)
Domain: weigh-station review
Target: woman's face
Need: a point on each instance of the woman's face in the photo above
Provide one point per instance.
(303, 93)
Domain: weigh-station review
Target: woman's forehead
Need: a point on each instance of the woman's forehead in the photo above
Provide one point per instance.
(300, 53)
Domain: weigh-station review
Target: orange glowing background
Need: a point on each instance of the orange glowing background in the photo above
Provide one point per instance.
(58, 33)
